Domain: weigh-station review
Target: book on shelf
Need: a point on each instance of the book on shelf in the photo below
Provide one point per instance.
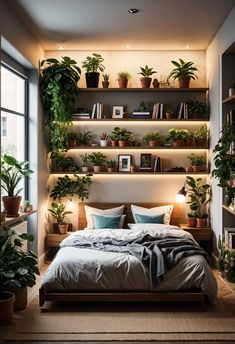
(157, 164)
(157, 112)
(97, 111)
(182, 111)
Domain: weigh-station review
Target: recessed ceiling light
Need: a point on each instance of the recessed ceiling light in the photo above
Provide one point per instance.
(133, 10)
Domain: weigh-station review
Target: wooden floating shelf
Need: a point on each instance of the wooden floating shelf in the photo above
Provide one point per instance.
(138, 89)
(140, 120)
(138, 147)
(229, 100)
(228, 209)
(12, 220)
(135, 173)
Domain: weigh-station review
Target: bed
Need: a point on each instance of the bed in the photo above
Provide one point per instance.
(115, 276)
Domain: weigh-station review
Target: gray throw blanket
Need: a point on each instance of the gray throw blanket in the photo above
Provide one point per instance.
(158, 254)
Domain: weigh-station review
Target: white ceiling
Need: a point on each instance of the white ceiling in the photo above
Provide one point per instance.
(107, 25)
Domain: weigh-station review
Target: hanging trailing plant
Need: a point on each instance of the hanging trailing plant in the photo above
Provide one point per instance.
(58, 88)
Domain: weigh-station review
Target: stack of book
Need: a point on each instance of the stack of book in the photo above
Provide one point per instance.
(182, 111)
(157, 111)
(141, 114)
(97, 111)
(81, 113)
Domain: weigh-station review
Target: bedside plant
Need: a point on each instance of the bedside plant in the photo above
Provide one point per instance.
(146, 72)
(97, 159)
(183, 71)
(152, 139)
(92, 65)
(198, 162)
(123, 78)
(59, 213)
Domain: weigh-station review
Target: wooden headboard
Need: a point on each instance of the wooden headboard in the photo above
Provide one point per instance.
(175, 216)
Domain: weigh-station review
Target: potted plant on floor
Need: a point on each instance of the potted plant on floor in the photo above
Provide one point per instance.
(18, 270)
(199, 195)
(184, 71)
(152, 139)
(198, 162)
(111, 164)
(104, 140)
(201, 136)
(93, 64)
(123, 78)
(146, 72)
(59, 213)
(105, 82)
(11, 174)
(97, 159)
(85, 162)
(197, 109)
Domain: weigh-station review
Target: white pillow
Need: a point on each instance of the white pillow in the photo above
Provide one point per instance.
(164, 209)
(113, 211)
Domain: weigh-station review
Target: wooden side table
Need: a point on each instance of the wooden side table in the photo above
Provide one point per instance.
(52, 242)
(203, 235)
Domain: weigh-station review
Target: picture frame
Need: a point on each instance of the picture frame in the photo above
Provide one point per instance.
(118, 111)
(124, 163)
(146, 162)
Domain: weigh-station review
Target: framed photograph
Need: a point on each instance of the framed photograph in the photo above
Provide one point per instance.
(146, 162)
(124, 163)
(118, 111)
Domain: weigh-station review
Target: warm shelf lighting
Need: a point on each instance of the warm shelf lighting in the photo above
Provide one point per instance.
(138, 123)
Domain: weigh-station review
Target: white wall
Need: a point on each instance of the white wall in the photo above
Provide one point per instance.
(223, 39)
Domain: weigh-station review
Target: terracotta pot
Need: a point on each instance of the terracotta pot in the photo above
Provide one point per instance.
(197, 168)
(201, 142)
(133, 168)
(178, 143)
(63, 228)
(189, 142)
(72, 143)
(152, 143)
(156, 84)
(145, 82)
(169, 115)
(123, 83)
(12, 205)
(188, 169)
(201, 222)
(184, 81)
(110, 169)
(6, 307)
(105, 84)
(21, 299)
(97, 169)
(85, 169)
(114, 143)
(121, 144)
(191, 222)
(59, 169)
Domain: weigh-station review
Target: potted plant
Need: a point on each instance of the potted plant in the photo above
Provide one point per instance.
(169, 112)
(92, 65)
(104, 140)
(84, 138)
(73, 140)
(97, 159)
(192, 219)
(63, 163)
(146, 72)
(198, 162)
(123, 78)
(111, 165)
(122, 136)
(18, 270)
(188, 138)
(177, 136)
(85, 160)
(199, 195)
(184, 71)
(59, 213)
(105, 81)
(226, 261)
(113, 138)
(197, 109)
(201, 136)
(151, 139)
(11, 173)
(156, 83)
(231, 90)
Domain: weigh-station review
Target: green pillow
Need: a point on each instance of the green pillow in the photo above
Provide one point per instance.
(102, 221)
(149, 219)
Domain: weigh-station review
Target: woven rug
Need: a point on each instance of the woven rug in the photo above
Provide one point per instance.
(129, 322)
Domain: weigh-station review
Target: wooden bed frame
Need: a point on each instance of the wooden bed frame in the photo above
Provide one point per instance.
(191, 295)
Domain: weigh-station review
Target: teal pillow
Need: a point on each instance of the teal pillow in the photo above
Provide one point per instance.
(149, 219)
(102, 221)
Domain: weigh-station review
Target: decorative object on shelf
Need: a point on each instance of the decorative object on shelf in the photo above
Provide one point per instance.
(85, 160)
(146, 72)
(156, 83)
(226, 262)
(81, 113)
(111, 164)
(169, 112)
(18, 270)
(92, 65)
(11, 173)
(199, 195)
(84, 138)
(178, 136)
(142, 112)
(63, 163)
(104, 140)
(198, 162)
(58, 87)
(197, 109)
(231, 90)
(105, 82)
(118, 112)
(201, 136)
(152, 139)
(146, 162)
(225, 162)
(59, 213)
(124, 163)
(27, 207)
(97, 159)
(133, 168)
(123, 78)
(73, 139)
(183, 71)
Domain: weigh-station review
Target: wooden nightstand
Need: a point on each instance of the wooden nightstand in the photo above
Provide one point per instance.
(52, 242)
(203, 235)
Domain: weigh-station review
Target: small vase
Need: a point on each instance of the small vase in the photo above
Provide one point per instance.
(133, 168)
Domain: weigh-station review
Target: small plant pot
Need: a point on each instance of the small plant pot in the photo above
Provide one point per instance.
(189, 142)
(72, 143)
(114, 143)
(152, 143)
(97, 169)
(188, 169)
(201, 222)
(145, 82)
(133, 168)
(178, 143)
(92, 79)
(110, 169)
(156, 84)
(85, 169)
(201, 142)
(63, 228)
(11, 205)
(231, 92)
(191, 222)
(21, 299)
(6, 307)
(196, 168)
(184, 81)
(104, 143)
(59, 169)
(105, 84)
(122, 83)
(169, 115)
(121, 144)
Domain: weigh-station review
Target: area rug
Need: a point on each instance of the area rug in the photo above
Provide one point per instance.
(129, 322)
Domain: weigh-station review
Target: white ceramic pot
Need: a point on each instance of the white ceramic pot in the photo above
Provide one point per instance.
(104, 143)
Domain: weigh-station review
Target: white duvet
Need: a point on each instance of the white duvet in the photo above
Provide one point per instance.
(79, 269)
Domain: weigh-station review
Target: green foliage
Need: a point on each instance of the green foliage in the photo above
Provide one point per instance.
(93, 64)
(67, 187)
(194, 106)
(201, 133)
(58, 212)
(199, 196)
(85, 137)
(226, 261)
(11, 173)
(179, 134)
(124, 75)
(97, 158)
(146, 71)
(106, 77)
(68, 163)
(85, 159)
(197, 160)
(73, 136)
(183, 68)
(111, 163)
(119, 134)
(104, 136)
(151, 136)
(18, 269)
